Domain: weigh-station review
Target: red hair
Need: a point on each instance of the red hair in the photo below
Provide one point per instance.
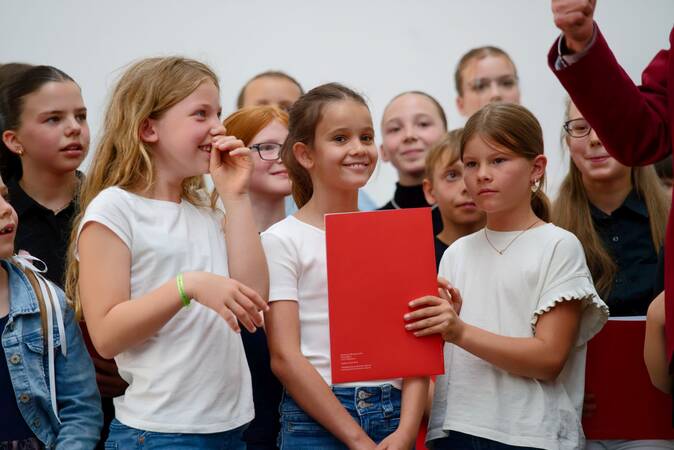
(247, 122)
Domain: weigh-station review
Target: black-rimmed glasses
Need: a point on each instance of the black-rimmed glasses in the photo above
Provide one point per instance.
(577, 128)
(268, 151)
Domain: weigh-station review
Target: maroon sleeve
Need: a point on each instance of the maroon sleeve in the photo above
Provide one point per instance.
(632, 122)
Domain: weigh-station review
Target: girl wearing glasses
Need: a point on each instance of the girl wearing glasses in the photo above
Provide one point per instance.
(619, 215)
(263, 129)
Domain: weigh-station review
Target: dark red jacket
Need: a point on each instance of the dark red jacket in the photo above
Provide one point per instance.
(634, 123)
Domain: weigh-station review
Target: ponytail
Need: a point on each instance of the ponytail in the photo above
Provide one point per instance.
(305, 115)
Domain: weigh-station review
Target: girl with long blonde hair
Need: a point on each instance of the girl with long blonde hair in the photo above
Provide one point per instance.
(156, 269)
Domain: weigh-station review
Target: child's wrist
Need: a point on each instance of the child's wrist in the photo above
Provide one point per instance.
(233, 198)
(189, 282)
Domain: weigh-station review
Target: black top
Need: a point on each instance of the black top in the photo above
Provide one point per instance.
(626, 234)
(440, 248)
(12, 425)
(42, 233)
(267, 390)
(413, 197)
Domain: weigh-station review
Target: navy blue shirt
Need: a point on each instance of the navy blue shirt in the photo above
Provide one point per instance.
(267, 390)
(626, 234)
(12, 425)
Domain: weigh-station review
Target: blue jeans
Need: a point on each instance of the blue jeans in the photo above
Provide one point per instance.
(376, 409)
(462, 441)
(126, 438)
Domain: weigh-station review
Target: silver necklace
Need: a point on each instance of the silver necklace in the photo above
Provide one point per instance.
(502, 251)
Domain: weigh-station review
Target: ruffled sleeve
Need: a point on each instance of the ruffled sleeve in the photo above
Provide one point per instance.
(568, 279)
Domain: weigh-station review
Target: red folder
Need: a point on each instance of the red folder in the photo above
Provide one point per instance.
(377, 263)
(628, 406)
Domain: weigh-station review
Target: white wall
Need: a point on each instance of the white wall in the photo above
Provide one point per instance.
(379, 47)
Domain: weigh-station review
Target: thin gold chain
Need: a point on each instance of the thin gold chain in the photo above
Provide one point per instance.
(500, 252)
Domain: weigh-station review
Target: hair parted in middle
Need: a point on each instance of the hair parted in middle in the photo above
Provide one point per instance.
(516, 129)
(305, 116)
(146, 90)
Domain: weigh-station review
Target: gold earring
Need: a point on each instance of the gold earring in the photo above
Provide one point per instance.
(20, 150)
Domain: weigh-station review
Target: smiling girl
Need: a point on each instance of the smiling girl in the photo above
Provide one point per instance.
(412, 122)
(163, 301)
(330, 153)
(619, 215)
(264, 129)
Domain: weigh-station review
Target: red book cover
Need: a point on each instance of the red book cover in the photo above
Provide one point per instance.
(627, 404)
(377, 263)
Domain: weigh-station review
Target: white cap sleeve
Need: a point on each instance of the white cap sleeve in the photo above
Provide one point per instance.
(111, 207)
(283, 267)
(569, 279)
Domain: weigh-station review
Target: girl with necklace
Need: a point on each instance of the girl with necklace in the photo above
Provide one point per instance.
(530, 306)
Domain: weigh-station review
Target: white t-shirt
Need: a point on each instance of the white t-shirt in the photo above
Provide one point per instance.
(191, 376)
(296, 258)
(506, 294)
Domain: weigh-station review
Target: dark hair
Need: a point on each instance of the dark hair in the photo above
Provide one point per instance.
(12, 95)
(9, 70)
(438, 106)
(477, 53)
(267, 74)
(305, 115)
(516, 129)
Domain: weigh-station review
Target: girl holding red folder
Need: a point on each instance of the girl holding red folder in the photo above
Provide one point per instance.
(330, 153)
(515, 372)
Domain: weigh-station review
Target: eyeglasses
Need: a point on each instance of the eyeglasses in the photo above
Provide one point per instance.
(577, 128)
(268, 151)
(480, 85)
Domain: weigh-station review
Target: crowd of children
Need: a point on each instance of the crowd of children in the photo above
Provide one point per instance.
(139, 309)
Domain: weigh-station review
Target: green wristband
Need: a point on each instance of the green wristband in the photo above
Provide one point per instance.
(181, 290)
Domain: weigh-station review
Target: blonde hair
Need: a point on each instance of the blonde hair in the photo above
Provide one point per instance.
(146, 90)
(571, 211)
(446, 151)
(515, 128)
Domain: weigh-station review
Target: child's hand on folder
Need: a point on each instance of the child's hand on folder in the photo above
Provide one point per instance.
(443, 292)
(437, 315)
